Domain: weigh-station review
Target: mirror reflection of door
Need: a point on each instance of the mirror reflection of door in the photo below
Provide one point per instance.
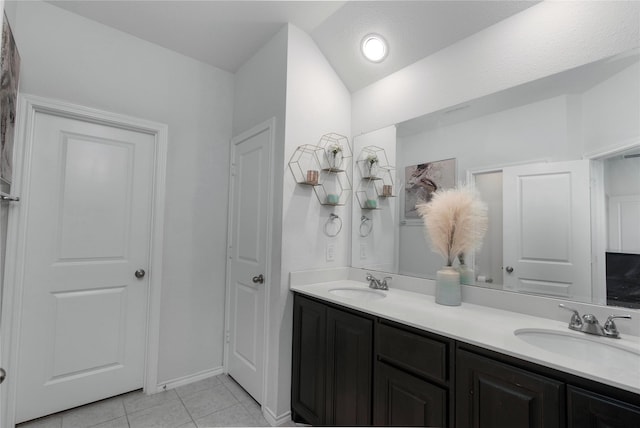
(547, 229)
(4, 214)
(614, 219)
(622, 212)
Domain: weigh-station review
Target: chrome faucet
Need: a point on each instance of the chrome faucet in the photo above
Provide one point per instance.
(589, 324)
(376, 284)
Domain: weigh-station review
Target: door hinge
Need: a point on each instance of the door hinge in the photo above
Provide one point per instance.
(233, 170)
(227, 336)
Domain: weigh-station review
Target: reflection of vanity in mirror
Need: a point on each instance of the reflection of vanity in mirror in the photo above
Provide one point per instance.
(558, 163)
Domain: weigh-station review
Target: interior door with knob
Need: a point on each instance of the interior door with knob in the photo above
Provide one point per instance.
(247, 279)
(547, 229)
(84, 307)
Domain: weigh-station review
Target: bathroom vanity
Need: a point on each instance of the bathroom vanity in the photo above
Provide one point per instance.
(395, 358)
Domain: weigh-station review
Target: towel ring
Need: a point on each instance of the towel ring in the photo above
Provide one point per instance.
(365, 226)
(330, 221)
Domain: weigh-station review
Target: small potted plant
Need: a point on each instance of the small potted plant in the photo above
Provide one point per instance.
(335, 156)
(372, 165)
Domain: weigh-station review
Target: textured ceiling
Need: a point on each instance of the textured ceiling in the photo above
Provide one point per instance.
(227, 33)
(413, 30)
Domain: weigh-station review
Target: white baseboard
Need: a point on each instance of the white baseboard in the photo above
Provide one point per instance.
(174, 383)
(274, 420)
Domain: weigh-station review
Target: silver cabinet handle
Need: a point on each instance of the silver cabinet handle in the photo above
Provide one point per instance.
(509, 269)
(140, 273)
(3, 375)
(258, 279)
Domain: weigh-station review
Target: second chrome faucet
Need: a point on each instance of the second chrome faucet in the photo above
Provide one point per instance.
(377, 284)
(589, 323)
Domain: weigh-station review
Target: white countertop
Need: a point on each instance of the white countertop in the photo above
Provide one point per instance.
(486, 327)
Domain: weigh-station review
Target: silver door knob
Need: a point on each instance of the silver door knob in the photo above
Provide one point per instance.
(509, 269)
(258, 279)
(3, 375)
(140, 273)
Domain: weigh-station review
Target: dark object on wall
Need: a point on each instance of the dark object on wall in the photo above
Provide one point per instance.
(9, 72)
(623, 280)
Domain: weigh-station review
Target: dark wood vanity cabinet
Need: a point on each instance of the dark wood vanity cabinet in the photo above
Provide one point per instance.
(587, 409)
(351, 368)
(412, 375)
(309, 361)
(332, 364)
(349, 365)
(491, 394)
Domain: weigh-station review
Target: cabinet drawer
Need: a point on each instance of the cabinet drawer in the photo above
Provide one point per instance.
(413, 352)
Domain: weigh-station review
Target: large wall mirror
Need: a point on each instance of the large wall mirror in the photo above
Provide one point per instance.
(558, 163)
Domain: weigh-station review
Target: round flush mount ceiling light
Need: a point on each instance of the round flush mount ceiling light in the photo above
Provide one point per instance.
(374, 48)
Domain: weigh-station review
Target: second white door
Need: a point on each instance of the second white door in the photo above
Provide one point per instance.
(84, 310)
(547, 229)
(248, 254)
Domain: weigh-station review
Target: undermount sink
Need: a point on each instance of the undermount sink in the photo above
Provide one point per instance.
(585, 347)
(358, 293)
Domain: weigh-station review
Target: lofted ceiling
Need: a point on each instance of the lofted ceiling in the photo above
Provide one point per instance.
(225, 34)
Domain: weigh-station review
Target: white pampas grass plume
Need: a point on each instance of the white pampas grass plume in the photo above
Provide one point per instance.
(455, 220)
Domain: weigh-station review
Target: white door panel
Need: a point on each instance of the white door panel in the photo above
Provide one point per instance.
(547, 229)
(84, 312)
(249, 206)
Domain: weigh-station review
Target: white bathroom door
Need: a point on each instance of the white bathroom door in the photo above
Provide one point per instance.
(248, 277)
(547, 229)
(84, 309)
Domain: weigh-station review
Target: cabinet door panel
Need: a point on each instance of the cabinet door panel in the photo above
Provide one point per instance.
(405, 400)
(349, 368)
(490, 394)
(309, 344)
(590, 410)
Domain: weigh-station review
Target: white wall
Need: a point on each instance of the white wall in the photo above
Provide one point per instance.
(318, 103)
(260, 94)
(488, 262)
(377, 251)
(611, 110)
(71, 58)
(622, 176)
(275, 82)
(516, 50)
(622, 192)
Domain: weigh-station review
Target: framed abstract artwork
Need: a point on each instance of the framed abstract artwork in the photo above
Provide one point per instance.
(423, 179)
(9, 73)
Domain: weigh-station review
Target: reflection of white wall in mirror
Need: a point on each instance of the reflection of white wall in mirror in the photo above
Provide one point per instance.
(611, 108)
(622, 189)
(380, 245)
(515, 135)
(484, 141)
(575, 33)
(488, 260)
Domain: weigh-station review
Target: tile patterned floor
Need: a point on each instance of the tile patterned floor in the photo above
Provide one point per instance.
(214, 402)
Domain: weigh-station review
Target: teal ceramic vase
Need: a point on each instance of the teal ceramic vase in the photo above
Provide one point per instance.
(448, 287)
(467, 275)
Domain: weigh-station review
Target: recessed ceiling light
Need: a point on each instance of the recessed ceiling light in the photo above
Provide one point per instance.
(374, 48)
